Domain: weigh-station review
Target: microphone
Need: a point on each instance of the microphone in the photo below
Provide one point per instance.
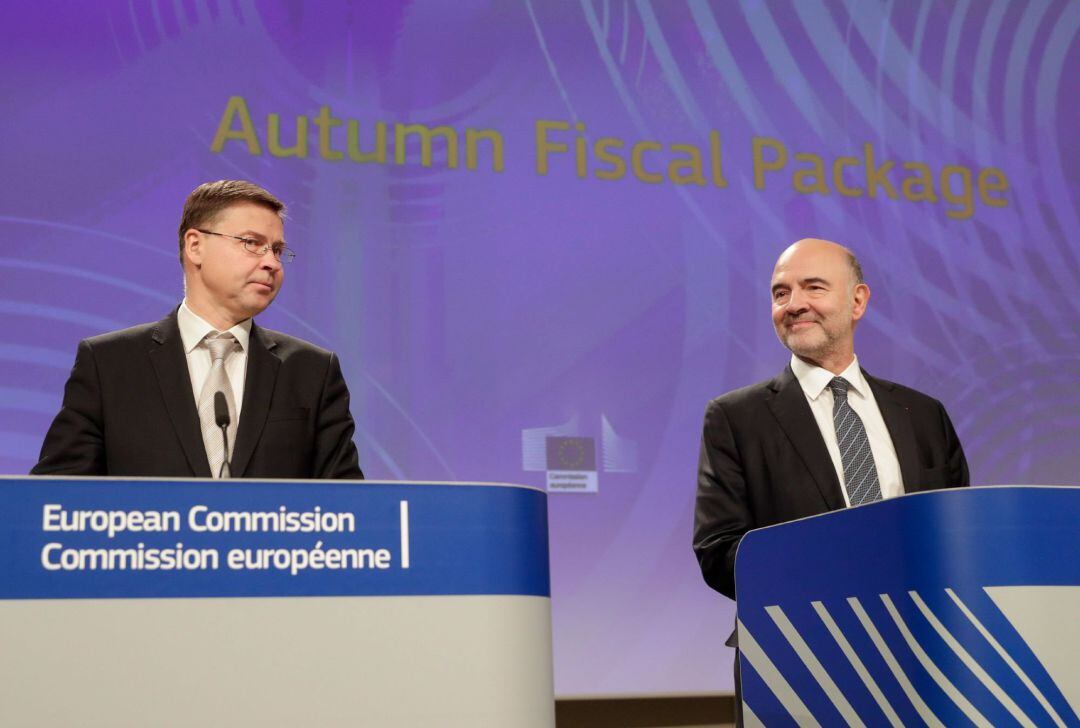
(221, 417)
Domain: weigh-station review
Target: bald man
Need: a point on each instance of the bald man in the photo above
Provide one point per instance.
(822, 435)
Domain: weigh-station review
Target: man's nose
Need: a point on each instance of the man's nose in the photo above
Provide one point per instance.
(270, 261)
(796, 302)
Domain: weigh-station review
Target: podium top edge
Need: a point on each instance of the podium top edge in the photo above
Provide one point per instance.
(306, 481)
(938, 491)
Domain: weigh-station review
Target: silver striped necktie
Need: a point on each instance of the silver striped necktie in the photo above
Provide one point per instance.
(860, 473)
(220, 345)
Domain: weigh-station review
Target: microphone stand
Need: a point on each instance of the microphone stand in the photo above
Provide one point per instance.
(222, 418)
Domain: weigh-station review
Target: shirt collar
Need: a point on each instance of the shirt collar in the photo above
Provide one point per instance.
(813, 379)
(193, 329)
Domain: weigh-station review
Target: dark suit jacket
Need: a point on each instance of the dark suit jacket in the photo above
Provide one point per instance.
(764, 461)
(129, 410)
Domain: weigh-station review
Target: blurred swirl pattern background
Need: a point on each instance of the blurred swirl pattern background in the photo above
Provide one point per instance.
(472, 305)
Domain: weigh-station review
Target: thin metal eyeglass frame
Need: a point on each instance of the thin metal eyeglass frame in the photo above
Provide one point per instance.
(286, 255)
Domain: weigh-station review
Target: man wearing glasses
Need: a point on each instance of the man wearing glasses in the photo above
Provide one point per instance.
(205, 392)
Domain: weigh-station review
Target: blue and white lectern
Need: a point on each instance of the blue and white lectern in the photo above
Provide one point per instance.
(943, 608)
(158, 602)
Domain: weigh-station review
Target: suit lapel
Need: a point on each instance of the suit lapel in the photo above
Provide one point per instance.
(167, 356)
(898, 421)
(789, 406)
(262, 371)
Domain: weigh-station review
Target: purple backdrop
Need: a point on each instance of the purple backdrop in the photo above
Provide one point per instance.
(479, 310)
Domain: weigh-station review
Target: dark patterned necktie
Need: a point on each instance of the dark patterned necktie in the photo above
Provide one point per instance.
(860, 474)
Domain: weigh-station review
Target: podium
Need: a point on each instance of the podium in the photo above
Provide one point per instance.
(165, 602)
(942, 608)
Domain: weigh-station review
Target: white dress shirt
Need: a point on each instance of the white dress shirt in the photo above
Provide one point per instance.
(815, 385)
(193, 331)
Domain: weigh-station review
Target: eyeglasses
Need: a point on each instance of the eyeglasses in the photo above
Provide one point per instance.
(285, 255)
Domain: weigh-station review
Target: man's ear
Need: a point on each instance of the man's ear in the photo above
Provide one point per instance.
(861, 294)
(193, 248)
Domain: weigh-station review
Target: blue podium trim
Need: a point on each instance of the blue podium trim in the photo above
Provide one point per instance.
(81, 538)
(979, 536)
(893, 614)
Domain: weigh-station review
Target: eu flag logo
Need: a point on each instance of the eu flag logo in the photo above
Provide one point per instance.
(571, 453)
